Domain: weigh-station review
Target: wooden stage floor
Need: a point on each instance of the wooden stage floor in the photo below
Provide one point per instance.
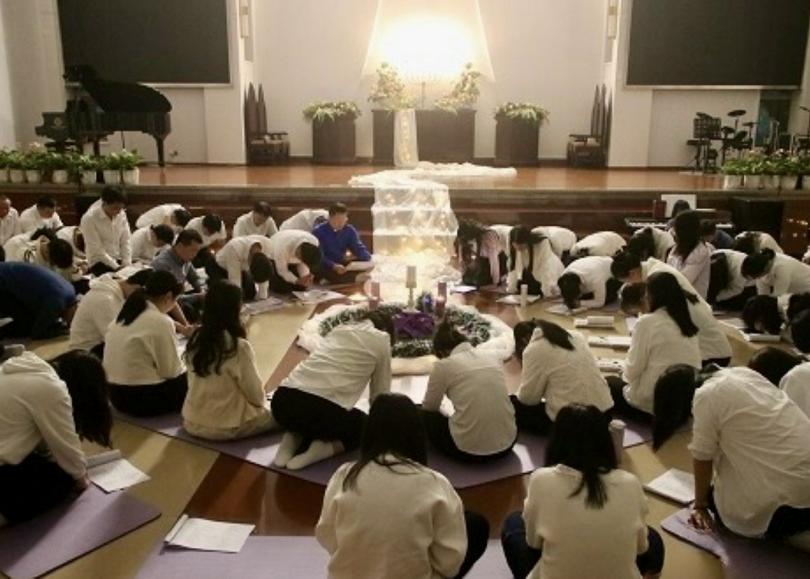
(321, 176)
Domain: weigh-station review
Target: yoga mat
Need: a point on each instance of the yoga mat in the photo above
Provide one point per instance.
(742, 558)
(527, 455)
(277, 558)
(69, 531)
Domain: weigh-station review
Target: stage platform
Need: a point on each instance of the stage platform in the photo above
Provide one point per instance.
(584, 200)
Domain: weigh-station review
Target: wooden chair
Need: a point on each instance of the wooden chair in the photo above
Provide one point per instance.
(263, 147)
(591, 149)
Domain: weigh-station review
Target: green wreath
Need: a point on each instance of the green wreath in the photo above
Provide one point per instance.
(470, 323)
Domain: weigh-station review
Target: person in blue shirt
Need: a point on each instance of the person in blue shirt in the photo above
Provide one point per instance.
(340, 245)
(710, 233)
(40, 302)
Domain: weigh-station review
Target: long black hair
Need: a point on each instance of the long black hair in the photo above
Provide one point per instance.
(580, 439)
(672, 401)
(394, 427)
(756, 264)
(623, 263)
(764, 311)
(664, 291)
(217, 338)
(87, 385)
(522, 235)
(642, 243)
(159, 283)
(469, 230)
(687, 233)
(774, 363)
(570, 285)
(556, 335)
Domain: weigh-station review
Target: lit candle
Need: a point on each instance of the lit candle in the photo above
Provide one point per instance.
(410, 277)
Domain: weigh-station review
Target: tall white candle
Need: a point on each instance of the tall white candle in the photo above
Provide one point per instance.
(410, 277)
(524, 295)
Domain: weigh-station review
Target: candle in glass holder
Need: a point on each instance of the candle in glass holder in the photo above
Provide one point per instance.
(443, 289)
(410, 277)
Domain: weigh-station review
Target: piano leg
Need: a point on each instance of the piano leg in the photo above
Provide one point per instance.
(161, 160)
(96, 148)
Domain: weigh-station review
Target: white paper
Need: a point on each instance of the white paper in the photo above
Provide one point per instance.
(318, 296)
(763, 338)
(610, 365)
(116, 475)
(205, 535)
(261, 306)
(462, 289)
(562, 309)
(674, 484)
(594, 322)
(616, 342)
(514, 300)
(360, 266)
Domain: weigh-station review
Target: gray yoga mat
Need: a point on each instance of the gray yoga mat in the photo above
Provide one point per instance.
(528, 454)
(742, 558)
(276, 558)
(73, 529)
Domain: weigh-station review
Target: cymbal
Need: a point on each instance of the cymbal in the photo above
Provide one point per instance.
(703, 116)
(737, 113)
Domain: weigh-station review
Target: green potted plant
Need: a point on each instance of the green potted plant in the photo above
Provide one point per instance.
(58, 164)
(733, 171)
(754, 169)
(774, 166)
(35, 163)
(121, 167)
(464, 93)
(333, 131)
(84, 168)
(790, 179)
(16, 166)
(387, 96)
(517, 137)
(4, 162)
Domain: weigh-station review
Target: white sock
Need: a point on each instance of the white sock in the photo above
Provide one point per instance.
(286, 450)
(319, 450)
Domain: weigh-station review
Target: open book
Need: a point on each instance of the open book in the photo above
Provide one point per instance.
(205, 535)
(677, 485)
(616, 342)
(110, 472)
(594, 322)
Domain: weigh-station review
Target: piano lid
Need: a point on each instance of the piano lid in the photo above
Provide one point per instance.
(118, 97)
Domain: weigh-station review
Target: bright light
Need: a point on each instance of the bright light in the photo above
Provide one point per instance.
(427, 49)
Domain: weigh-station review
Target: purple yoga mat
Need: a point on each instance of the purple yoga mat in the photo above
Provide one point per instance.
(742, 558)
(527, 455)
(69, 531)
(276, 558)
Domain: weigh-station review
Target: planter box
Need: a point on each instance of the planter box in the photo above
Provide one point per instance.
(753, 181)
(131, 176)
(3, 175)
(789, 182)
(516, 143)
(89, 177)
(732, 181)
(16, 175)
(60, 176)
(442, 136)
(805, 182)
(112, 176)
(333, 141)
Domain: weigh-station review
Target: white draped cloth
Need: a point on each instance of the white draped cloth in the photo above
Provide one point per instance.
(406, 148)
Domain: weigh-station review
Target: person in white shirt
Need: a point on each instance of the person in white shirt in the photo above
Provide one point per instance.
(558, 368)
(9, 220)
(651, 242)
(482, 251)
(583, 516)
(99, 307)
(257, 222)
(73, 235)
(45, 412)
(147, 376)
(728, 287)
(388, 514)
(244, 261)
(796, 384)
(106, 232)
(226, 398)
(148, 241)
(749, 242)
(750, 455)
(533, 263)
(172, 214)
(629, 268)
(587, 282)
(791, 373)
(776, 274)
(562, 239)
(315, 404)
(212, 230)
(43, 248)
(483, 425)
(662, 338)
(691, 256)
(305, 220)
(776, 316)
(293, 256)
(604, 243)
(41, 215)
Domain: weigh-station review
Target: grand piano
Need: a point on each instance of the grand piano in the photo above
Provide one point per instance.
(103, 107)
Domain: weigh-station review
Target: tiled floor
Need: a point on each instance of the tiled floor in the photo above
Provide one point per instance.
(186, 478)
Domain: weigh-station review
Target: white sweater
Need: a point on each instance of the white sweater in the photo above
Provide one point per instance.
(561, 239)
(227, 399)
(561, 376)
(406, 523)
(786, 275)
(283, 246)
(736, 282)
(711, 336)
(144, 352)
(106, 240)
(605, 243)
(304, 220)
(245, 226)
(143, 249)
(35, 408)
(657, 344)
(696, 267)
(594, 273)
(196, 224)
(161, 214)
(97, 310)
(9, 225)
(484, 419)
(31, 220)
(578, 541)
(546, 268)
(796, 384)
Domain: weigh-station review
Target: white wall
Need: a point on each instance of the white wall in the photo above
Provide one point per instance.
(8, 133)
(544, 51)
